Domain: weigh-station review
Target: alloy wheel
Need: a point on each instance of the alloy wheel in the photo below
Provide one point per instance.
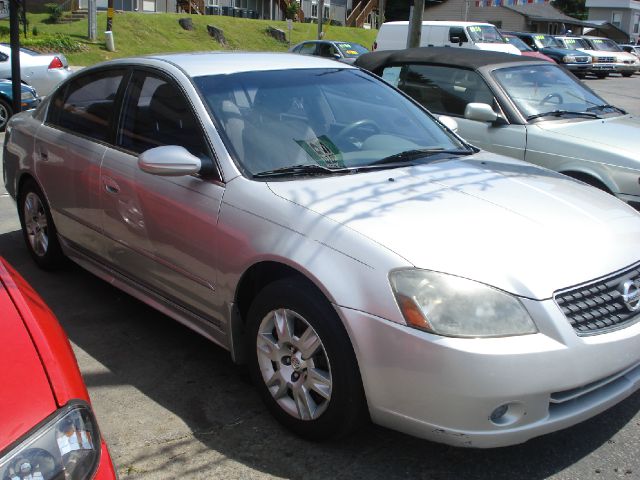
(36, 226)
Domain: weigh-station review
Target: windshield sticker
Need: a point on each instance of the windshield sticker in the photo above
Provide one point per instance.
(539, 37)
(475, 29)
(351, 52)
(323, 151)
(570, 40)
(344, 45)
(392, 75)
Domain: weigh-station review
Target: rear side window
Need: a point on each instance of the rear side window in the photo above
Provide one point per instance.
(86, 106)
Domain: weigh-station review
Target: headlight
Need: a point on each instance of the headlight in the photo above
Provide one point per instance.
(456, 307)
(65, 447)
(27, 96)
(569, 59)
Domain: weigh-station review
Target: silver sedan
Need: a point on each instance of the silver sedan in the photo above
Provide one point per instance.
(42, 71)
(363, 260)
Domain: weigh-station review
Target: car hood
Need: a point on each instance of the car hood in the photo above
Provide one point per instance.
(505, 223)
(498, 47)
(539, 56)
(26, 397)
(613, 135)
(561, 51)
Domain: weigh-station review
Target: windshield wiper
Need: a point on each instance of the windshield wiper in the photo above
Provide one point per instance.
(416, 154)
(561, 113)
(605, 106)
(293, 170)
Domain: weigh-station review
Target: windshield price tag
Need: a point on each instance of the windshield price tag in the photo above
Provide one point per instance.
(323, 151)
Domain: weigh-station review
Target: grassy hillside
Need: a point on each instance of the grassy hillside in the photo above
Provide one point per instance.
(140, 34)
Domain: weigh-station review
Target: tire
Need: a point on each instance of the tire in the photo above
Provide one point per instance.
(39, 232)
(601, 74)
(334, 404)
(5, 114)
(626, 74)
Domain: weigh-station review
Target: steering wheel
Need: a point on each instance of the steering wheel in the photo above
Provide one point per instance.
(552, 96)
(364, 124)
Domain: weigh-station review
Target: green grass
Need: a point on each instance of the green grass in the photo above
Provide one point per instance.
(141, 34)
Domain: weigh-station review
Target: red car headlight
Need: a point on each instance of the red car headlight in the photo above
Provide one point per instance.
(66, 446)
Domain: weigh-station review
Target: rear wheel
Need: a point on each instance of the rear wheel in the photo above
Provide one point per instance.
(627, 74)
(302, 361)
(5, 114)
(38, 230)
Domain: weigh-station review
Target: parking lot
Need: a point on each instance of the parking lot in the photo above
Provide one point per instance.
(172, 405)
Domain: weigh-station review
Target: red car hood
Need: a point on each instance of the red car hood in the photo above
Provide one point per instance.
(26, 397)
(538, 55)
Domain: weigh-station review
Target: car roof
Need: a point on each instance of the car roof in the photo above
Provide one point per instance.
(463, 57)
(196, 64)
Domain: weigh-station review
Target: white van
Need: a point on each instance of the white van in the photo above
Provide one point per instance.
(481, 36)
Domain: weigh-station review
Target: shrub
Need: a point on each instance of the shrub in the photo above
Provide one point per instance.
(55, 12)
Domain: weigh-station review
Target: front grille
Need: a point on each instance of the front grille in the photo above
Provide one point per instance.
(604, 60)
(598, 307)
(582, 59)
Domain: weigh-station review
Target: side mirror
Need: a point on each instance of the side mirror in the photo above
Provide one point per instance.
(481, 112)
(449, 122)
(336, 56)
(454, 39)
(169, 161)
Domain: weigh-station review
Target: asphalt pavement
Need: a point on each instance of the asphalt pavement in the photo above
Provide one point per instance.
(172, 405)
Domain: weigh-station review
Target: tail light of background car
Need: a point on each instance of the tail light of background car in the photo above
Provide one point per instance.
(56, 63)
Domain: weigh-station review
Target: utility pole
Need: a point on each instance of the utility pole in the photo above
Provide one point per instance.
(320, 18)
(14, 35)
(110, 15)
(381, 7)
(93, 19)
(415, 24)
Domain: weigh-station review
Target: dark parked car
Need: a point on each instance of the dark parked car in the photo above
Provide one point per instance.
(577, 62)
(343, 51)
(28, 99)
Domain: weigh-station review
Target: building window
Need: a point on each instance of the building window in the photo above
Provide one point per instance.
(326, 12)
(636, 23)
(616, 19)
(314, 10)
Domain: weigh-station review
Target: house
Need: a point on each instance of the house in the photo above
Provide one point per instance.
(621, 14)
(529, 17)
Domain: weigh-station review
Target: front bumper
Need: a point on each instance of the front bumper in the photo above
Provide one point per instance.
(445, 389)
(578, 67)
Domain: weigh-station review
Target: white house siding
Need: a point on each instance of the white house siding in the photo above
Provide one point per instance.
(455, 10)
(628, 17)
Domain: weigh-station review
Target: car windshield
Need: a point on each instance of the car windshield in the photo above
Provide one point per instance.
(485, 34)
(351, 50)
(330, 118)
(605, 45)
(519, 44)
(547, 89)
(576, 43)
(543, 41)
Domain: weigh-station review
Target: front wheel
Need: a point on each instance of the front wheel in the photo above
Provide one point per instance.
(302, 361)
(602, 75)
(627, 74)
(38, 230)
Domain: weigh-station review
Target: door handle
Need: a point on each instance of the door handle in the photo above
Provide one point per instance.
(110, 185)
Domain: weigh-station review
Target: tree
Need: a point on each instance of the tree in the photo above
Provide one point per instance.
(573, 8)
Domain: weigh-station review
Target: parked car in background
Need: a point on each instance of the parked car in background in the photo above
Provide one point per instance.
(28, 99)
(334, 236)
(632, 49)
(602, 63)
(579, 63)
(473, 35)
(345, 52)
(47, 428)
(42, 71)
(626, 63)
(525, 109)
(525, 49)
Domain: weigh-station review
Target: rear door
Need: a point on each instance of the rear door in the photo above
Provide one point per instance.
(69, 148)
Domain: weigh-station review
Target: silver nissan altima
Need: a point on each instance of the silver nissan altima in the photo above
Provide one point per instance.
(363, 260)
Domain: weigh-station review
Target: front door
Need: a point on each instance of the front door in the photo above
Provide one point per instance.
(162, 231)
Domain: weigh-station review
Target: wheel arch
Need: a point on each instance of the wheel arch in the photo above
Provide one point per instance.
(590, 178)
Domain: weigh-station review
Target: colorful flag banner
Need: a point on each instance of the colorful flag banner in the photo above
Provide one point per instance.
(500, 3)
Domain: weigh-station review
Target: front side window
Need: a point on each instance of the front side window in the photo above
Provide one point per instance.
(457, 35)
(307, 49)
(332, 117)
(86, 106)
(444, 90)
(540, 89)
(157, 114)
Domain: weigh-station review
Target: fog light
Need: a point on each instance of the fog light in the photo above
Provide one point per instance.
(507, 414)
(498, 413)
